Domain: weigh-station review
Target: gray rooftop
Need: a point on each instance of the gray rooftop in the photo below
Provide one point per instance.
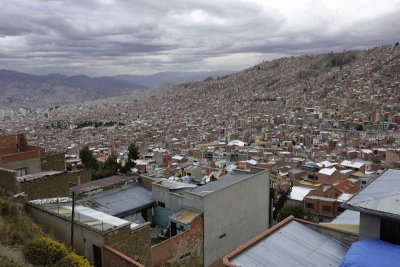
(380, 197)
(294, 244)
(120, 201)
(222, 183)
(347, 217)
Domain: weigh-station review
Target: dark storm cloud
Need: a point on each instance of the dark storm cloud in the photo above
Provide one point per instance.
(105, 37)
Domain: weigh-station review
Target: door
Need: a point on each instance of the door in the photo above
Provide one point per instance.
(97, 256)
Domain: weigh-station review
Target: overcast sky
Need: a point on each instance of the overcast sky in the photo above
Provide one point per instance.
(106, 37)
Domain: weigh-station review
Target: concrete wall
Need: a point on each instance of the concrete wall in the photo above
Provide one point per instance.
(8, 180)
(194, 202)
(234, 215)
(172, 201)
(60, 229)
(114, 258)
(134, 243)
(185, 249)
(32, 165)
(161, 216)
(370, 226)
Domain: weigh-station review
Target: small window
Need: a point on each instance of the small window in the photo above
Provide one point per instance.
(21, 172)
(161, 204)
(309, 205)
(326, 208)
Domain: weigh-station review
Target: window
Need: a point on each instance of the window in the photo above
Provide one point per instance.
(161, 204)
(310, 205)
(326, 208)
(21, 172)
(390, 231)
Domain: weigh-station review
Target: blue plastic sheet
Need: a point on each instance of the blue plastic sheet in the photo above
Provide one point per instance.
(372, 253)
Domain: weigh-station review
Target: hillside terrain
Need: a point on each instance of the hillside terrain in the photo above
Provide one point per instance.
(25, 90)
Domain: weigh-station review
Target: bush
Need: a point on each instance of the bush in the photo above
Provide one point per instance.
(44, 251)
(73, 260)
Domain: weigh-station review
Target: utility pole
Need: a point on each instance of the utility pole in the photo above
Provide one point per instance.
(72, 220)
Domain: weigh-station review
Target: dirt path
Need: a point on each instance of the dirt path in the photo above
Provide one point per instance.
(12, 256)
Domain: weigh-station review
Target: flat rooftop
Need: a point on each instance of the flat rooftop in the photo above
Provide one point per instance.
(89, 217)
(222, 183)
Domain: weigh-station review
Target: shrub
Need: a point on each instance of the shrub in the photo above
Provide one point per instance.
(44, 251)
(73, 260)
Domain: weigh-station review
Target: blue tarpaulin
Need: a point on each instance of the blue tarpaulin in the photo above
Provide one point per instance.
(371, 253)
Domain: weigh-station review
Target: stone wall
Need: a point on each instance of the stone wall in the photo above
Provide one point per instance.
(54, 162)
(56, 185)
(114, 258)
(134, 243)
(8, 180)
(185, 249)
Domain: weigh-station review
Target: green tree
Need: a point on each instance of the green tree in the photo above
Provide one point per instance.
(111, 165)
(280, 203)
(87, 158)
(296, 211)
(133, 154)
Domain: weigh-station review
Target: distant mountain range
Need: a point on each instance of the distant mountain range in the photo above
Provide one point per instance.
(20, 89)
(170, 77)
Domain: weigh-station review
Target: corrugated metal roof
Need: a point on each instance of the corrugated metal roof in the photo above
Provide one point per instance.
(299, 192)
(174, 185)
(120, 201)
(293, 245)
(100, 183)
(344, 197)
(184, 216)
(347, 217)
(382, 195)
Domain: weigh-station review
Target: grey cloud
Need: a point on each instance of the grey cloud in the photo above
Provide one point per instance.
(150, 35)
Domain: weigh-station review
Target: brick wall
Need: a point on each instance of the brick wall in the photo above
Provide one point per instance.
(134, 243)
(114, 258)
(146, 182)
(185, 249)
(10, 144)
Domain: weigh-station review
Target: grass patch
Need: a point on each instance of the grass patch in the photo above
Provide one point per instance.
(16, 227)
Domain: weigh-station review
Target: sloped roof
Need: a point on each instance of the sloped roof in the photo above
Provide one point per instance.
(327, 171)
(120, 201)
(290, 243)
(352, 164)
(381, 196)
(299, 192)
